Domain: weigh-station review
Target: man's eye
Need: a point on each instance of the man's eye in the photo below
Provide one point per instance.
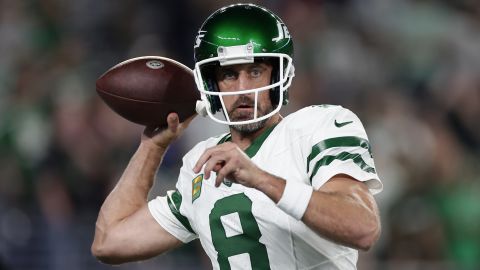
(256, 72)
(228, 75)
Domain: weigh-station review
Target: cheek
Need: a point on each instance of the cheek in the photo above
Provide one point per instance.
(228, 100)
(264, 98)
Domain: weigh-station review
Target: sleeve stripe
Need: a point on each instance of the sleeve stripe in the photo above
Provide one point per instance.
(357, 159)
(336, 142)
(174, 201)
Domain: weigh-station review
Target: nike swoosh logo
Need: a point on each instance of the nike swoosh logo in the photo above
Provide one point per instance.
(338, 125)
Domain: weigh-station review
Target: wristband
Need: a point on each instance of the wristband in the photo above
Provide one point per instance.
(295, 198)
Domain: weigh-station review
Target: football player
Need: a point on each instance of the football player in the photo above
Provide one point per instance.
(274, 192)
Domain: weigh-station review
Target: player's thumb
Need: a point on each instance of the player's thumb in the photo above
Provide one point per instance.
(173, 122)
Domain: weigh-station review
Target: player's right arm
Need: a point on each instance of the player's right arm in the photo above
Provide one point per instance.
(125, 229)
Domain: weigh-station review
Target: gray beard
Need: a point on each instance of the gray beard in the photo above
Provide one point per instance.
(252, 127)
(249, 128)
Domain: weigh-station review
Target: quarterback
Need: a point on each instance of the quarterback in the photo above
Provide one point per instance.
(292, 192)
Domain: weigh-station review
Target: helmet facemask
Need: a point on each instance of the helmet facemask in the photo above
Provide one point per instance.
(282, 74)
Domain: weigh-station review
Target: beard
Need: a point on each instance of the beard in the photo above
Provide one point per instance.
(238, 115)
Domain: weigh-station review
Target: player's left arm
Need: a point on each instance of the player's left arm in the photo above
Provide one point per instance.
(342, 210)
(342, 174)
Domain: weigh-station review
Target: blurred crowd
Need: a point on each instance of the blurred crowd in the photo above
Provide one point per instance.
(410, 69)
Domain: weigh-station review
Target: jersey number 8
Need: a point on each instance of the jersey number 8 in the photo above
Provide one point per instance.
(248, 242)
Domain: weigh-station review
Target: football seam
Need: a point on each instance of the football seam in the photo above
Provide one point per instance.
(138, 100)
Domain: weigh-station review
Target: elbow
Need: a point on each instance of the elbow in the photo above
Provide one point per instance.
(369, 237)
(99, 252)
(104, 254)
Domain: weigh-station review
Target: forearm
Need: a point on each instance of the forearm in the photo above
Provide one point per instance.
(131, 191)
(348, 218)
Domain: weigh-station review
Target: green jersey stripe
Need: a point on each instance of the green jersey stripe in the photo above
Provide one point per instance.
(174, 202)
(346, 141)
(227, 137)
(252, 150)
(357, 159)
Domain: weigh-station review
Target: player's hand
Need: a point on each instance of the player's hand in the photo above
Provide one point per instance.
(229, 161)
(163, 137)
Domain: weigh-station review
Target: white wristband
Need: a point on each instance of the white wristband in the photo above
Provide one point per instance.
(295, 198)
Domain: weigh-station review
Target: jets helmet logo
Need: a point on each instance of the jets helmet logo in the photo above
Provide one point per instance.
(282, 32)
(200, 35)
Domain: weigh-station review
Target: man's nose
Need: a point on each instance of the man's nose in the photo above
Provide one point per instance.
(244, 82)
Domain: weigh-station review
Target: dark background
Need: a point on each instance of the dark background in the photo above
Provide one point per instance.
(409, 69)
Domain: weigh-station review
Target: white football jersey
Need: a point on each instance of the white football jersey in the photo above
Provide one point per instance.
(240, 227)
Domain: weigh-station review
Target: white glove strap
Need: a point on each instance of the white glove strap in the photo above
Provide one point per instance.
(295, 198)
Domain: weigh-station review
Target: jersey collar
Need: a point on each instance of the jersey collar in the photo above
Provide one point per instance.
(252, 150)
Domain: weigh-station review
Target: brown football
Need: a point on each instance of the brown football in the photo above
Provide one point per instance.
(146, 89)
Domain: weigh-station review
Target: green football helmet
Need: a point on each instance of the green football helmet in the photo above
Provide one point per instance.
(239, 34)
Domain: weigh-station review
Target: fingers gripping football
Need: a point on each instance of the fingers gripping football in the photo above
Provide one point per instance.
(162, 137)
(228, 161)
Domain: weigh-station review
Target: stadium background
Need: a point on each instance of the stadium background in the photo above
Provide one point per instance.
(409, 68)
